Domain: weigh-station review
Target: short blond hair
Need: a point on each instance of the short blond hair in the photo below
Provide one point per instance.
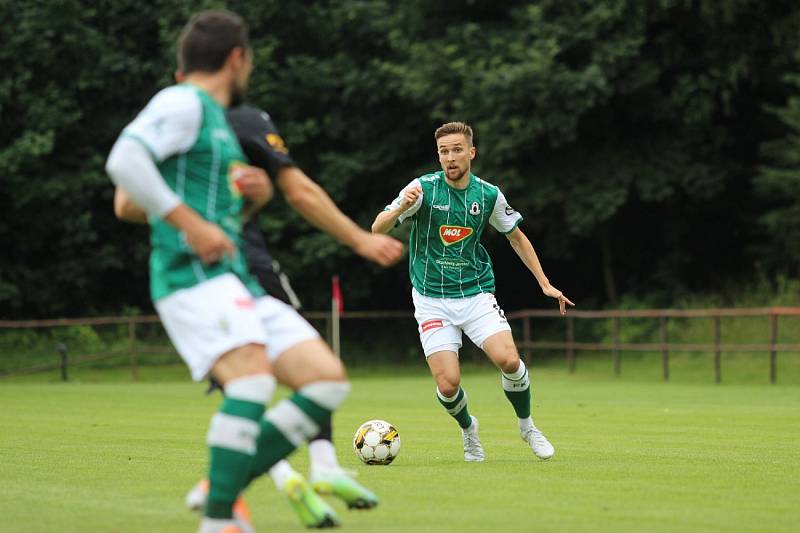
(454, 127)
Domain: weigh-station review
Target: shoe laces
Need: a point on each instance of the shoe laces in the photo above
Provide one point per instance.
(533, 434)
(471, 439)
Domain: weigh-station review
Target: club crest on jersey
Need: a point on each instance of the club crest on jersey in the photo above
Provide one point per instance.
(475, 209)
(233, 178)
(453, 234)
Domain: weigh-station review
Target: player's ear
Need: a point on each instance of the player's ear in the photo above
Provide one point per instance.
(472, 152)
(236, 57)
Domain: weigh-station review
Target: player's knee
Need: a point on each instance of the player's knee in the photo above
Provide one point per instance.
(326, 394)
(510, 362)
(448, 385)
(332, 369)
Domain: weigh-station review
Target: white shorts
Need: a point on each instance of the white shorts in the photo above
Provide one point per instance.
(441, 320)
(218, 315)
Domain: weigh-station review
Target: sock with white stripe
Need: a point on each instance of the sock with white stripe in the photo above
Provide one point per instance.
(232, 438)
(517, 388)
(457, 406)
(295, 420)
(280, 472)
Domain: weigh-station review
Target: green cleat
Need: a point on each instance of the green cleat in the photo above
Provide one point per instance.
(339, 484)
(312, 510)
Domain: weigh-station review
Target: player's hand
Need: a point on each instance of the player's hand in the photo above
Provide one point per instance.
(209, 242)
(254, 184)
(562, 300)
(410, 197)
(379, 248)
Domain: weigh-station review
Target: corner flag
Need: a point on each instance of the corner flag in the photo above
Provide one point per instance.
(336, 293)
(337, 307)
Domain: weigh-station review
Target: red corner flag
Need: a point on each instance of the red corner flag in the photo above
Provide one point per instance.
(337, 294)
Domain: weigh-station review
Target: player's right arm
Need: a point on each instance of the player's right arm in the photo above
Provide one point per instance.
(265, 148)
(168, 125)
(405, 205)
(314, 204)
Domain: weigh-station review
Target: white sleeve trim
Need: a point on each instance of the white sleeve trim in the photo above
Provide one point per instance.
(131, 167)
(411, 210)
(504, 218)
(170, 123)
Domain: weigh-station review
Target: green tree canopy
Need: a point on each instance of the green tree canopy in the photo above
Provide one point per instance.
(626, 132)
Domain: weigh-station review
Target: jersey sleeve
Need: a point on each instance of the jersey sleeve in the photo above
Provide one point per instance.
(260, 139)
(413, 209)
(504, 218)
(169, 124)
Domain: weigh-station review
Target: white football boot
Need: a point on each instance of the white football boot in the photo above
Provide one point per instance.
(538, 442)
(473, 451)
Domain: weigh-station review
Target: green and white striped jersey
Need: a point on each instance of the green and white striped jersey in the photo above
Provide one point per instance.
(446, 259)
(196, 151)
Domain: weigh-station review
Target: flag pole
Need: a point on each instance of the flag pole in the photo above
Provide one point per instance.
(335, 315)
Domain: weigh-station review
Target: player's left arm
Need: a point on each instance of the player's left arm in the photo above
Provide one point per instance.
(126, 209)
(506, 220)
(524, 249)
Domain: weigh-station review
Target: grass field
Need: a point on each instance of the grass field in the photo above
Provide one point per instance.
(631, 455)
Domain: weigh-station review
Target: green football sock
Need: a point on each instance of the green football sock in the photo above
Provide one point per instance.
(232, 444)
(517, 388)
(456, 406)
(295, 420)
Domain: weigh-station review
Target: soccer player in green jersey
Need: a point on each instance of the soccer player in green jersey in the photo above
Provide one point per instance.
(180, 162)
(453, 283)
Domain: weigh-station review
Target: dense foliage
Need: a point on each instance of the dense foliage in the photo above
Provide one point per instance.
(629, 133)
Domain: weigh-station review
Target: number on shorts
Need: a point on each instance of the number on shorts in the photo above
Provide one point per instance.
(499, 311)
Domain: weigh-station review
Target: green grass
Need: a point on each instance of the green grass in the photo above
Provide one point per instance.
(631, 455)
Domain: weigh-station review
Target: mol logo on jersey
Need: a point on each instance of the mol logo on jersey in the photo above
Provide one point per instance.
(453, 234)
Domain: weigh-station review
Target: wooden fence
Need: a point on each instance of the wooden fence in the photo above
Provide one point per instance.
(569, 345)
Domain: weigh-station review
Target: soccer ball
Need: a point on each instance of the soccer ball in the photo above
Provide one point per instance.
(376, 442)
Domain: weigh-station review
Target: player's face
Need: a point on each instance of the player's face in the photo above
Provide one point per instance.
(455, 155)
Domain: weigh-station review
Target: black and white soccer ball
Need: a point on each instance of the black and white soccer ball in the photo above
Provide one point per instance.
(376, 442)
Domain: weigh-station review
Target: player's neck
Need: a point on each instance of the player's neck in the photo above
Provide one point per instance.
(460, 183)
(212, 83)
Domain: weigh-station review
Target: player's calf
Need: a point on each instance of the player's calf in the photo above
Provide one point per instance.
(232, 438)
(295, 420)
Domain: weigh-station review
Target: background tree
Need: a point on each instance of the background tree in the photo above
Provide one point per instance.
(779, 183)
(626, 132)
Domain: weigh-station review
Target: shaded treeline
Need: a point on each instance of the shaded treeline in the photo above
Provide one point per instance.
(651, 145)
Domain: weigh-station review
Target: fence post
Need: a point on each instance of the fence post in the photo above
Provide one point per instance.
(617, 359)
(61, 348)
(570, 344)
(526, 338)
(132, 348)
(664, 348)
(717, 351)
(526, 329)
(773, 353)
